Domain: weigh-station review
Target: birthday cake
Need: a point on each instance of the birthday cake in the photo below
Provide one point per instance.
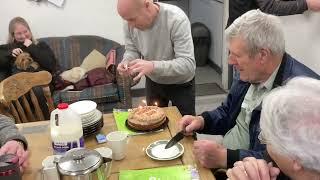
(146, 118)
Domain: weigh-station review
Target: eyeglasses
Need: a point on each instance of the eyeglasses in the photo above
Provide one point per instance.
(261, 138)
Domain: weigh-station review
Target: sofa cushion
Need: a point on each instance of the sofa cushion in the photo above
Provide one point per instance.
(94, 60)
(99, 94)
(74, 75)
(70, 51)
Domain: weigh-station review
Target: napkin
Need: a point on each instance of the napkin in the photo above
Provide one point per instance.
(181, 172)
(120, 118)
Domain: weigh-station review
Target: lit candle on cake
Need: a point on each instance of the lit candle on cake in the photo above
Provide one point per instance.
(140, 107)
(155, 103)
(144, 102)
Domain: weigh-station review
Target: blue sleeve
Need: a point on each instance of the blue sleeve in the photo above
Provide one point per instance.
(222, 119)
(250, 153)
(216, 121)
(238, 155)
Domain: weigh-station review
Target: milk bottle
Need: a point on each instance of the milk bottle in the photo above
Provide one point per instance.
(66, 129)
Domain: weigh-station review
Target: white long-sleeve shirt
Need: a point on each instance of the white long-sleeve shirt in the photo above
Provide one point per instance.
(168, 43)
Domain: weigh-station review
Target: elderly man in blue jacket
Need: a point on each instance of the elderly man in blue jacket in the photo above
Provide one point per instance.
(257, 50)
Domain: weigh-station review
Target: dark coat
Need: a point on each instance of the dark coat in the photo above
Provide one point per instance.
(41, 53)
(276, 7)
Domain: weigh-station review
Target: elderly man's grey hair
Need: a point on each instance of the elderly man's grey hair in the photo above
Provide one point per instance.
(259, 30)
(290, 121)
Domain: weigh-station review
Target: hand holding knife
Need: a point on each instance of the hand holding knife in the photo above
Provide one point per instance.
(188, 124)
(180, 135)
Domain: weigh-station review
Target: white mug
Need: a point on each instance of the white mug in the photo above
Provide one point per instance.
(118, 141)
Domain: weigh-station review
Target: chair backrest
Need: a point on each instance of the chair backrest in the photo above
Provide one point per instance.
(19, 100)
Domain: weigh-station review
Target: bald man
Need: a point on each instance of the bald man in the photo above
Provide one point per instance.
(159, 46)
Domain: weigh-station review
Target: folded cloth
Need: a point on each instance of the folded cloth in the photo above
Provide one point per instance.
(81, 79)
(60, 83)
(80, 85)
(100, 76)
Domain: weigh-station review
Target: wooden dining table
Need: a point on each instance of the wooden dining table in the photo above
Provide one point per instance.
(38, 137)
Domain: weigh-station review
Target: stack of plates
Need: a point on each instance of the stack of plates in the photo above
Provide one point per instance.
(92, 120)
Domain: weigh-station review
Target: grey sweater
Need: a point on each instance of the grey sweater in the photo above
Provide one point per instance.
(168, 43)
(9, 131)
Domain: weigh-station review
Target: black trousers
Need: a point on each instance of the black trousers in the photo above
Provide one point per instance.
(181, 95)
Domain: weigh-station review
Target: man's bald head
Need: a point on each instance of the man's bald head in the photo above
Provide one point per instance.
(138, 13)
(127, 7)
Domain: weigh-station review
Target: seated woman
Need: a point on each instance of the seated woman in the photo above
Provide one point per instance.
(290, 123)
(12, 142)
(21, 41)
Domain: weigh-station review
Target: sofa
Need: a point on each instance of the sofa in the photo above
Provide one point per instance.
(70, 52)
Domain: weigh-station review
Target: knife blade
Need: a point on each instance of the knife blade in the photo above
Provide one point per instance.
(174, 140)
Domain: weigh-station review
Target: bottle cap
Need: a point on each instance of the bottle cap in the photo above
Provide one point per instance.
(63, 106)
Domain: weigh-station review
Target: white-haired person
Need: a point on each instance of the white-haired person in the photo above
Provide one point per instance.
(257, 50)
(290, 123)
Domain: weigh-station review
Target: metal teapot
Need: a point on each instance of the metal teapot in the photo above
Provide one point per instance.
(82, 164)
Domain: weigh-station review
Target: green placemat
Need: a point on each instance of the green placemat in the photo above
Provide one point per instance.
(120, 118)
(164, 173)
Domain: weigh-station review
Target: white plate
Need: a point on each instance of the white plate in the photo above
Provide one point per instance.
(83, 107)
(88, 115)
(88, 119)
(157, 151)
(97, 118)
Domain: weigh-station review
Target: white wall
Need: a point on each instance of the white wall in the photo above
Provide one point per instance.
(77, 17)
(210, 13)
(225, 66)
(302, 34)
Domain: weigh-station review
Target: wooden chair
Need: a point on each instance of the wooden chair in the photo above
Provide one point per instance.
(19, 100)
